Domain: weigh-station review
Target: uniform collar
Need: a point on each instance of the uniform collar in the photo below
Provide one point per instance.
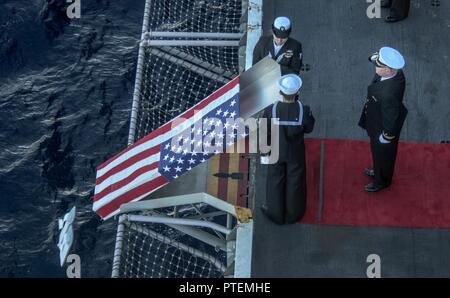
(279, 47)
(387, 78)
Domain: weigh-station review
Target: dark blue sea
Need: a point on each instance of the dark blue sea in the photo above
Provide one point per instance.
(65, 98)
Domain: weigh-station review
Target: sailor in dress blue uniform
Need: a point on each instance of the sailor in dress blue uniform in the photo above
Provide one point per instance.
(286, 177)
(282, 48)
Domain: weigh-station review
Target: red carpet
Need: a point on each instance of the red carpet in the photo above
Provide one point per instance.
(419, 196)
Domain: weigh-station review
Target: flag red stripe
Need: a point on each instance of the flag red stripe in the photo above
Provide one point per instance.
(131, 195)
(129, 162)
(186, 115)
(160, 131)
(123, 182)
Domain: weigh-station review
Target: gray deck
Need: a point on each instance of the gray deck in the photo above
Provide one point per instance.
(337, 38)
(338, 251)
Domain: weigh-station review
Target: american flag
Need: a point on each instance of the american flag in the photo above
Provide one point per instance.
(169, 152)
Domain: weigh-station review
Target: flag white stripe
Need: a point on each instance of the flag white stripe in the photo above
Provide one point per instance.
(117, 177)
(141, 179)
(170, 134)
(135, 200)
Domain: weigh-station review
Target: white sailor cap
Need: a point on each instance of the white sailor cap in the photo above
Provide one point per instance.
(389, 57)
(290, 84)
(281, 27)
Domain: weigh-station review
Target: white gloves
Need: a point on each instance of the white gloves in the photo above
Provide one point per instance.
(265, 160)
(374, 57)
(383, 140)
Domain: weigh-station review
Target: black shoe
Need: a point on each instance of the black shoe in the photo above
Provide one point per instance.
(264, 209)
(369, 172)
(392, 19)
(372, 187)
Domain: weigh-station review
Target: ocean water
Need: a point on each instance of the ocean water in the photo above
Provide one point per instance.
(65, 98)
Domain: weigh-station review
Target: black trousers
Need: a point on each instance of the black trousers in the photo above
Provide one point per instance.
(383, 157)
(399, 8)
(286, 192)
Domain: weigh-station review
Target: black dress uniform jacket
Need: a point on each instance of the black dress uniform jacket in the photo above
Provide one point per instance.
(384, 111)
(384, 114)
(286, 179)
(289, 57)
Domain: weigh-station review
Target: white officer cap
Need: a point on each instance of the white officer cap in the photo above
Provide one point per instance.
(281, 27)
(290, 84)
(391, 58)
(281, 23)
